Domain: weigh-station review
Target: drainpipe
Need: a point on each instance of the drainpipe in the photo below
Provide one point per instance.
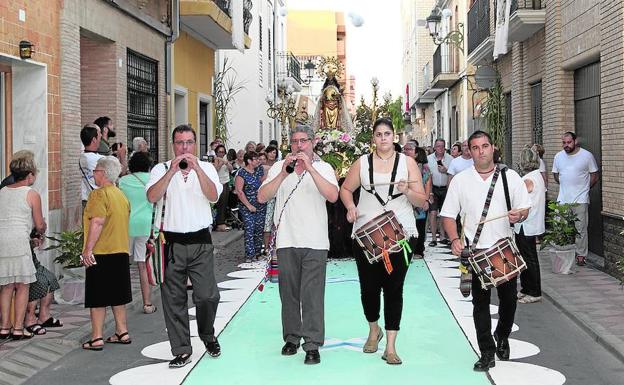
(169, 81)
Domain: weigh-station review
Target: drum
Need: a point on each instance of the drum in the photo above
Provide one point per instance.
(498, 264)
(380, 234)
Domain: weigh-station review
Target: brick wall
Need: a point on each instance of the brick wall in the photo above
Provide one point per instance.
(41, 28)
(613, 243)
(98, 27)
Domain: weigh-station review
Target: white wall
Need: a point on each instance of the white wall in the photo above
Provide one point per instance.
(249, 106)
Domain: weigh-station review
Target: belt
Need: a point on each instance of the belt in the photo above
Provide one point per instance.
(439, 186)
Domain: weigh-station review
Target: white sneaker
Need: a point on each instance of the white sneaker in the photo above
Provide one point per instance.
(529, 299)
(521, 295)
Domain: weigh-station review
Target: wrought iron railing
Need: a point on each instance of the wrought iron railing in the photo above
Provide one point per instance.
(444, 60)
(525, 4)
(289, 66)
(478, 23)
(437, 61)
(224, 5)
(426, 77)
(247, 16)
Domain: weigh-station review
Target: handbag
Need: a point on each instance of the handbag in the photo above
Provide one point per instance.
(155, 245)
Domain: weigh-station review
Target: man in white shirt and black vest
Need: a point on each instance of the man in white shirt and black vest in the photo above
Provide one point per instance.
(190, 186)
(467, 196)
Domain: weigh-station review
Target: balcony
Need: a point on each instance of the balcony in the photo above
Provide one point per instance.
(427, 94)
(211, 21)
(527, 17)
(445, 66)
(480, 41)
(289, 70)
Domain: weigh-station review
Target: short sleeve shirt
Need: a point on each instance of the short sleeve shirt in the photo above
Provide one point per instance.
(111, 204)
(459, 164)
(133, 187)
(574, 178)
(87, 163)
(304, 218)
(439, 179)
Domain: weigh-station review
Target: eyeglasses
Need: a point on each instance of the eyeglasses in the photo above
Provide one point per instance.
(300, 142)
(183, 142)
(96, 170)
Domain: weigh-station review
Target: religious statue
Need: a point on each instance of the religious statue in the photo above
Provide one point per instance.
(331, 112)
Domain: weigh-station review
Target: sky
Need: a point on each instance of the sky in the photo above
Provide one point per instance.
(373, 49)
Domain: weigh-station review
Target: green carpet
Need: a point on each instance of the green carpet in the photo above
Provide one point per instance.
(433, 348)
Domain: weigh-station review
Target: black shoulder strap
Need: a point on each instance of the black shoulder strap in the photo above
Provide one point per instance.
(506, 188)
(392, 178)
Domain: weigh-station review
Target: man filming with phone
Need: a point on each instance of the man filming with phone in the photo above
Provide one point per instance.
(439, 163)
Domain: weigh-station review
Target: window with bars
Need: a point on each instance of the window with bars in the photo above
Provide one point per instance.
(507, 150)
(260, 33)
(203, 128)
(142, 93)
(536, 113)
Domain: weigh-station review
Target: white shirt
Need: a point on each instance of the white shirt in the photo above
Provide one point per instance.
(437, 177)
(534, 223)
(87, 162)
(368, 205)
(224, 174)
(542, 166)
(574, 175)
(186, 209)
(466, 197)
(304, 219)
(459, 164)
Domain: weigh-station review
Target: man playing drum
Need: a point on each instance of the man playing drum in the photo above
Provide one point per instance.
(385, 191)
(466, 196)
(302, 244)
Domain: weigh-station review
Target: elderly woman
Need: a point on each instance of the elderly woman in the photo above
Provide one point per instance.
(271, 154)
(20, 212)
(526, 231)
(224, 168)
(247, 183)
(133, 187)
(105, 254)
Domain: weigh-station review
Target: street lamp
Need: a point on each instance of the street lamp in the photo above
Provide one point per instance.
(453, 37)
(375, 83)
(309, 69)
(284, 110)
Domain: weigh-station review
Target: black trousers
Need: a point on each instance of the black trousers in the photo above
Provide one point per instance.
(222, 205)
(481, 312)
(530, 280)
(374, 278)
(420, 242)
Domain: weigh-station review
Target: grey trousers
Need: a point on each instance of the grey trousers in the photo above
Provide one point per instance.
(196, 262)
(302, 292)
(582, 212)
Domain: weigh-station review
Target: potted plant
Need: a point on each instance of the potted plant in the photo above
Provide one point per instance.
(69, 244)
(561, 235)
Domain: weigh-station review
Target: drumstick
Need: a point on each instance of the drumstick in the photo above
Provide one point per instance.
(389, 183)
(463, 225)
(501, 216)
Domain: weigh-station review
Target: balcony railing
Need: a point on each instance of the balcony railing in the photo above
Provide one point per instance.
(289, 66)
(478, 23)
(224, 5)
(525, 4)
(426, 77)
(445, 60)
(247, 16)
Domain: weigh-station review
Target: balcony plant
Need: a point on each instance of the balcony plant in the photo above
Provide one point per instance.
(561, 235)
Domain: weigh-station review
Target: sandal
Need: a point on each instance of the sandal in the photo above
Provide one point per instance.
(52, 323)
(23, 336)
(4, 336)
(36, 329)
(149, 309)
(119, 339)
(89, 345)
(391, 359)
(371, 346)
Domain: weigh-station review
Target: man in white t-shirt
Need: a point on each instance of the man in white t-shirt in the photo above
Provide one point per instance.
(191, 185)
(90, 136)
(460, 163)
(468, 202)
(576, 171)
(438, 162)
(302, 241)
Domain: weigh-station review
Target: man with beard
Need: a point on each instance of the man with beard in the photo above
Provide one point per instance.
(576, 171)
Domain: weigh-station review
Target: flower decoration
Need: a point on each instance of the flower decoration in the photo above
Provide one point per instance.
(340, 149)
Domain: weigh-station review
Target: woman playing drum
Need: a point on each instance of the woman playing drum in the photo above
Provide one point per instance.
(380, 193)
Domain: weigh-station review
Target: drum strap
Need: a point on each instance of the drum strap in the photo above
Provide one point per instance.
(392, 178)
(506, 188)
(486, 207)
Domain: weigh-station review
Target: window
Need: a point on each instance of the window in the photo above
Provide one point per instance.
(142, 93)
(203, 128)
(260, 33)
(536, 113)
(507, 149)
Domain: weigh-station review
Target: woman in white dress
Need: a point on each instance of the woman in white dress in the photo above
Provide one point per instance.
(20, 212)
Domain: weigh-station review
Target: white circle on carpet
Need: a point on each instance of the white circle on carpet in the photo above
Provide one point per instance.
(249, 273)
(522, 349)
(162, 350)
(238, 284)
(233, 295)
(153, 374)
(519, 373)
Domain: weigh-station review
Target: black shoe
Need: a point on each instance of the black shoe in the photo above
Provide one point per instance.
(312, 357)
(502, 348)
(485, 362)
(213, 348)
(180, 360)
(433, 244)
(445, 242)
(289, 349)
